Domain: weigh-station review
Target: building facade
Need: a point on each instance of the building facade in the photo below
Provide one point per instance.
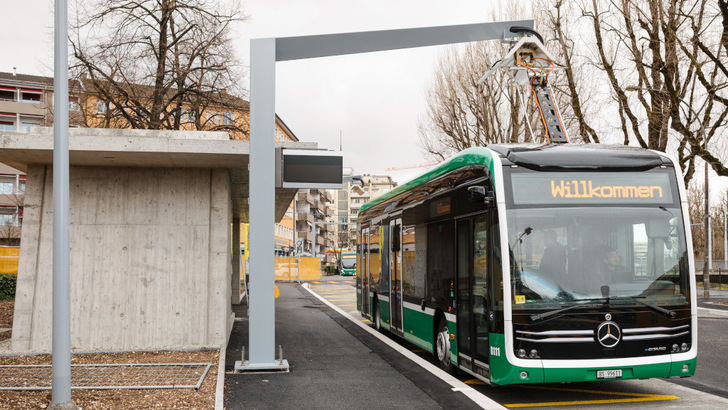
(315, 205)
(26, 101)
(357, 190)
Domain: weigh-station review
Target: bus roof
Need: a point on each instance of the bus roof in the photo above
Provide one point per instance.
(539, 157)
(582, 157)
(470, 156)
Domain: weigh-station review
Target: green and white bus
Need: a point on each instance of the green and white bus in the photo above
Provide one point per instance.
(348, 263)
(524, 264)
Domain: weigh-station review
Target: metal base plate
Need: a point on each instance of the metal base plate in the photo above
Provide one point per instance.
(279, 366)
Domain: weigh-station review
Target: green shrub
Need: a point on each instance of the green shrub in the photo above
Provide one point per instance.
(7, 286)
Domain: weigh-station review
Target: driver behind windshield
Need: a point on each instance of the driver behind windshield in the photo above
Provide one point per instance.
(611, 268)
(553, 262)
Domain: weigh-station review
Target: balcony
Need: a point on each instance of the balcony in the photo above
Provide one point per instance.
(310, 199)
(305, 235)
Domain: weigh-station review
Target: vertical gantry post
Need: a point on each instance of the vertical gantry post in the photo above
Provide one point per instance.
(262, 204)
(61, 372)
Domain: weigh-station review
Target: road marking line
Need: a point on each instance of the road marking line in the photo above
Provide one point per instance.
(634, 397)
(479, 398)
(349, 305)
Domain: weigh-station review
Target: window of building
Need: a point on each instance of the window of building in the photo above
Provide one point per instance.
(7, 93)
(7, 215)
(30, 95)
(25, 126)
(8, 126)
(7, 184)
(191, 115)
(21, 187)
(101, 107)
(73, 104)
(5, 219)
(228, 118)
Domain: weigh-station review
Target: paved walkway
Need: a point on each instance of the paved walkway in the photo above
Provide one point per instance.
(334, 364)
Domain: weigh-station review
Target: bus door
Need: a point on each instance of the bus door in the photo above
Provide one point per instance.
(395, 293)
(384, 284)
(472, 294)
(363, 268)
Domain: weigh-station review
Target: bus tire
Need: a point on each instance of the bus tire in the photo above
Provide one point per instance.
(442, 346)
(377, 319)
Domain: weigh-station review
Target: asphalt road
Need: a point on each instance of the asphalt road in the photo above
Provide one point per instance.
(711, 375)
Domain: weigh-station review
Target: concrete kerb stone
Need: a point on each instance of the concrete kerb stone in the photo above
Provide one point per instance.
(712, 313)
(220, 387)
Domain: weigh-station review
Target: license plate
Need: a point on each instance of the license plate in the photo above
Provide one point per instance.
(609, 374)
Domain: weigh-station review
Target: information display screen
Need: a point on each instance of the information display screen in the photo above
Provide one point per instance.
(560, 188)
(312, 169)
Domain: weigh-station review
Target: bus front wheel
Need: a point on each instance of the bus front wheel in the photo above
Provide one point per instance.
(442, 346)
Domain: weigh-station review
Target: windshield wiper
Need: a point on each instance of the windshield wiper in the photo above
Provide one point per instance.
(636, 299)
(604, 301)
(550, 313)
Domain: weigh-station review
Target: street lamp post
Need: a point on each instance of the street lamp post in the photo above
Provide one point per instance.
(706, 222)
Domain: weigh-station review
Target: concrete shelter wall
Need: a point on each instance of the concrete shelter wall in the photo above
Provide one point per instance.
(150, 259)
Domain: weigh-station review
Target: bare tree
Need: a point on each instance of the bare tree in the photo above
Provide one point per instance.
(667, 51)
(662, 63)
(696, 210)
(158, 64)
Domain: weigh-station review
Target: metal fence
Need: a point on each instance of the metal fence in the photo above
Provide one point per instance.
(108, 376)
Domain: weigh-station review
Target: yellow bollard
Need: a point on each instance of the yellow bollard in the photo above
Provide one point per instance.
(276, 286)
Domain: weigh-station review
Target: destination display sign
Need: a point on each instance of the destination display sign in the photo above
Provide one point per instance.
(548, 188)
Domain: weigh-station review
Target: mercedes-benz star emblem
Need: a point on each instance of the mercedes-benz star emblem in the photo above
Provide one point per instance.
(608, 334)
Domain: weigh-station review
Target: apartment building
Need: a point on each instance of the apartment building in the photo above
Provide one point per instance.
(357, 190)
(315, 205)
(26, 101)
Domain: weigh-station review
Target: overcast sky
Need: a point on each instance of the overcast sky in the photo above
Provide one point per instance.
(373, 100)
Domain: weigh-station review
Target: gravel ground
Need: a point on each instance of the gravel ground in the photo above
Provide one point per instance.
(6, 318)
(204, 398)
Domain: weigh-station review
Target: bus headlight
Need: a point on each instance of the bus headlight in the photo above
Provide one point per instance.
(684, 347)
(675, 348)
(534, 354)
(521, 353)
(524, 375)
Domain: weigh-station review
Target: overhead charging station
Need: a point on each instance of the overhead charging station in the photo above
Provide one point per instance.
(264, 54)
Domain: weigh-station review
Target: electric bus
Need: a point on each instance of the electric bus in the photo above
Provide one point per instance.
(525, 264)
(348, 263)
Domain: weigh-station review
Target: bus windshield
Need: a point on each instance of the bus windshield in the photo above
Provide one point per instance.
(348, 261)
(616, 253)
